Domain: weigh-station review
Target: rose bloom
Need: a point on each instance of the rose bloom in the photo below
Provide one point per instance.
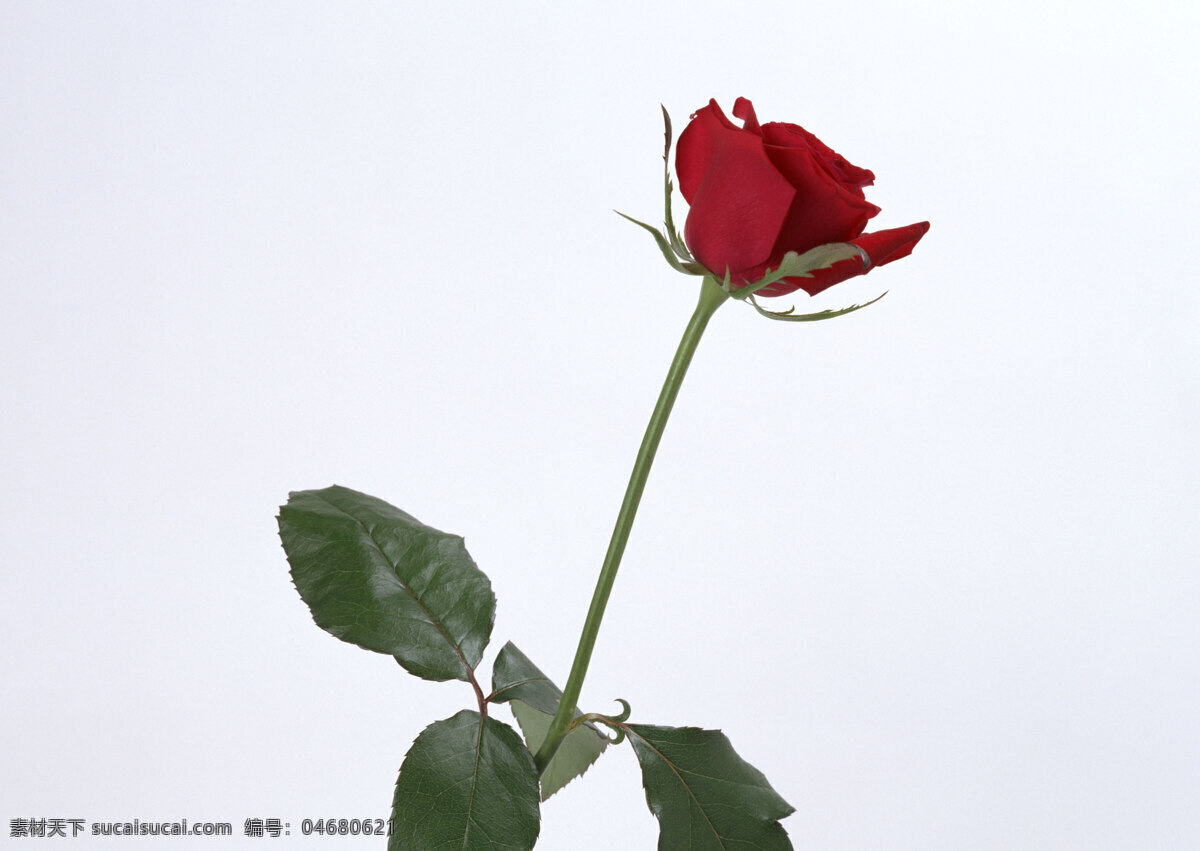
(757, 192)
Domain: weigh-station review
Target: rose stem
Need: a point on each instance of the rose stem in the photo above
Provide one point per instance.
(712, 296)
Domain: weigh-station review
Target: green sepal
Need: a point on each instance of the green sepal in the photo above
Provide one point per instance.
(669, 242)
(703, 794)
(533, 699)
(795, 265)
(466, 783)
(375, 576)
(688, 266)
(676, 240)
(790, 314)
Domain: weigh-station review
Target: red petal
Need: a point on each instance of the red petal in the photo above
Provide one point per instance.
(884, 246)
(738, 198)
(829, 204)
(743, 109)
(793, 135)
(695, 146)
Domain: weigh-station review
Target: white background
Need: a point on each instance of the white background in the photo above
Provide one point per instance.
(932, 567)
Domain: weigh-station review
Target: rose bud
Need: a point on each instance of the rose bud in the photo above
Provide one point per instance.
(757, 192)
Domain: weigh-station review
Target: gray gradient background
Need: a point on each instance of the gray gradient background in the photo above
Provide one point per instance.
(933, 567)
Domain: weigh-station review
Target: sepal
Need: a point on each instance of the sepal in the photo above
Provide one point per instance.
(790, 314)
(668, 249)
(806, 265)
(669, 241)
(676, 240)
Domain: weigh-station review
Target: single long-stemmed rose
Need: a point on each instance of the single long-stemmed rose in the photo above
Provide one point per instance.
(763, 200)
(772, 210)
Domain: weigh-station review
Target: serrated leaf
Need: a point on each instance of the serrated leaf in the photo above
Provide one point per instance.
(515, 677)
(703, 794)
(534, 700)
(466, 783)
(375, 576)
(580, 748)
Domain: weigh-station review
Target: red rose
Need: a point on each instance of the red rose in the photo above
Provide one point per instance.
(757, 192)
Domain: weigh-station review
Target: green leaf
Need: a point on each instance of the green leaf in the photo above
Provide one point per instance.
(534, 699)
(466, 783)
(703, 794)
(515, 677)
(376, 577)
(580, 748)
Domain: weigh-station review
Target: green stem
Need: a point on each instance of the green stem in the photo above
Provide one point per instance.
(712, 296)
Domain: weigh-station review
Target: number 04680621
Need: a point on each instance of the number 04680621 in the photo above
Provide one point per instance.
(346, 827)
